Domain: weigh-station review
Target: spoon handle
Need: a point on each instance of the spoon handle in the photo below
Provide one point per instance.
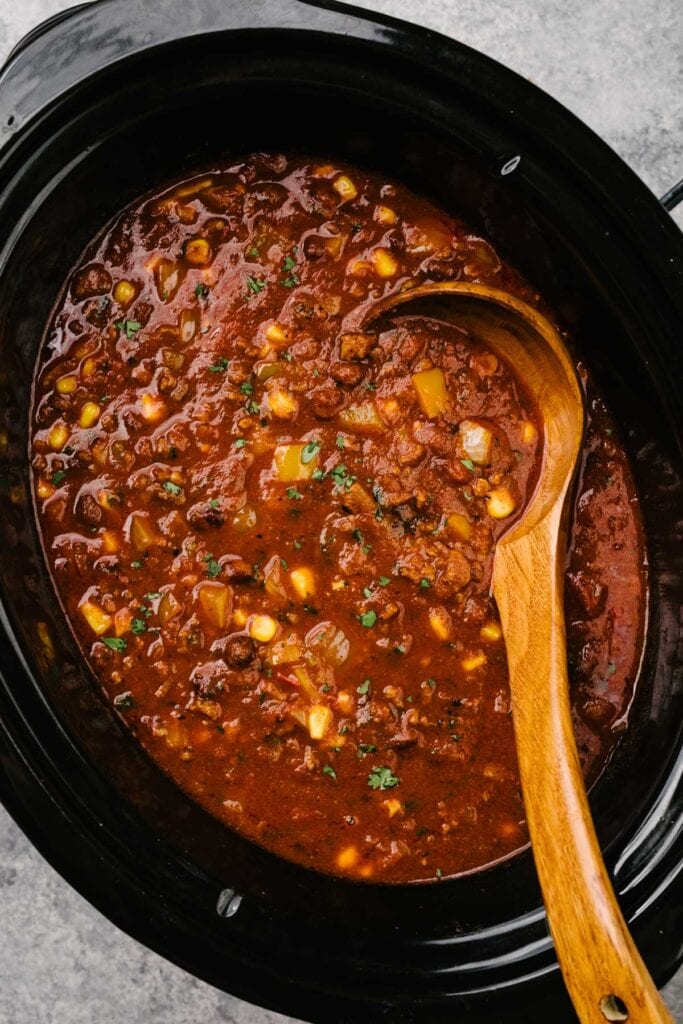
(602, 968)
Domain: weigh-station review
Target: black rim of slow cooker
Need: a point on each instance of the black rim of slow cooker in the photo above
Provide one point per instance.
(60, 826)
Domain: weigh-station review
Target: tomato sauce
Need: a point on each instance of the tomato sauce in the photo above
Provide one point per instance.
(273, 534)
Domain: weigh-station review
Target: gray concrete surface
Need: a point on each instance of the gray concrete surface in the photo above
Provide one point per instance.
(618, 64)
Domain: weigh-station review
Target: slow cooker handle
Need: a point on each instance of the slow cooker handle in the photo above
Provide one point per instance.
(673, 197)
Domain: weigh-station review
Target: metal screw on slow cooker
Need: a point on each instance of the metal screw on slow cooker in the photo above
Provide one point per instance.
(228, 903)
(613, 1008)
(510, 165)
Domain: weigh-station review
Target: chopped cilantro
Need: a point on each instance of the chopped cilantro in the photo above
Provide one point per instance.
(212, 567)
(329, 770)
(293, 494)
(364, 688)
(424, 583)
(247, 388)
(382, 778)
(368, 592)
(220, 365)
(138, 626)
(214, 503)
(115, 643)
(288, 356)
(366, 748)
(252, 407)
(129, 327)
(253, 252)
(201, 290)
(611, 668)
(439, 873)
(284, 564)
(384, 581)
(368, 619)
(241, 442)
(309, 451)
(468, 464)
(288, 263)
(124, 701)
(431, 683)
(340, 442)
(297, 545)
(254, 285)
(136, 564)
(311, 609)
(58, 476)
(172, 488)
(318, 474)
(342, 478)
(153, 595)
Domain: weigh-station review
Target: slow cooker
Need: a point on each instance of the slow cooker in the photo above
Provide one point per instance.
(118, 96)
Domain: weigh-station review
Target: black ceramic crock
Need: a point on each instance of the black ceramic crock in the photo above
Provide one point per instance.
(116, 97)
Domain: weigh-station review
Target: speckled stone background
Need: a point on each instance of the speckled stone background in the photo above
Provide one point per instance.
(618, 64)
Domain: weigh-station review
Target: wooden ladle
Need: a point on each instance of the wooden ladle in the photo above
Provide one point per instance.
(603, 971)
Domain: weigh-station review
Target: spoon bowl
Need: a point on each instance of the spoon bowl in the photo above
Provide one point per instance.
(602, 968)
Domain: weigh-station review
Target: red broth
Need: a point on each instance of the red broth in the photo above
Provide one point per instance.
(273, 536)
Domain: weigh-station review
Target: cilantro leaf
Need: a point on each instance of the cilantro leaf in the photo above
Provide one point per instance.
(468, 464)
(58, 476)
(172, 488)
(255, 285)
(309, 451)
(294, 495)
(115, 643)
(382, 778)
(220, 365)
(129, 327)
(329, 770)
(364, 688)
(368, 619)
(201, 290)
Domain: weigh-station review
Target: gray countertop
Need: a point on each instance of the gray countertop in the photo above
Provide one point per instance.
(618, 65)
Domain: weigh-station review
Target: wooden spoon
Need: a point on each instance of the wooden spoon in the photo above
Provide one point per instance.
(603, 971)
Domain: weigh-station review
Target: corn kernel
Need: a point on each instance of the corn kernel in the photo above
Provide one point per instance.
(197, 251)
(288, 465)
(263, 628)
(124, 292)
(440, 622)
(215, 600)
(459, 525)
(122, 621)
(473, 661)
(345, 187)
(90, 413)
(347, 858)
(153, 408)
(303, 582)
(345, 702)
(529, 432)
(500, 503)
(385, 264)
(491, 631)
(431, 391)
(67, 385)
(44, 489)
(275, 333)
(385, 215)
(89, 367)
(282, 403)
(319, 719)
(96, 617)
(142, 533)
(58, 436)
(239, 617)
(110, 542)
(393, 807)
